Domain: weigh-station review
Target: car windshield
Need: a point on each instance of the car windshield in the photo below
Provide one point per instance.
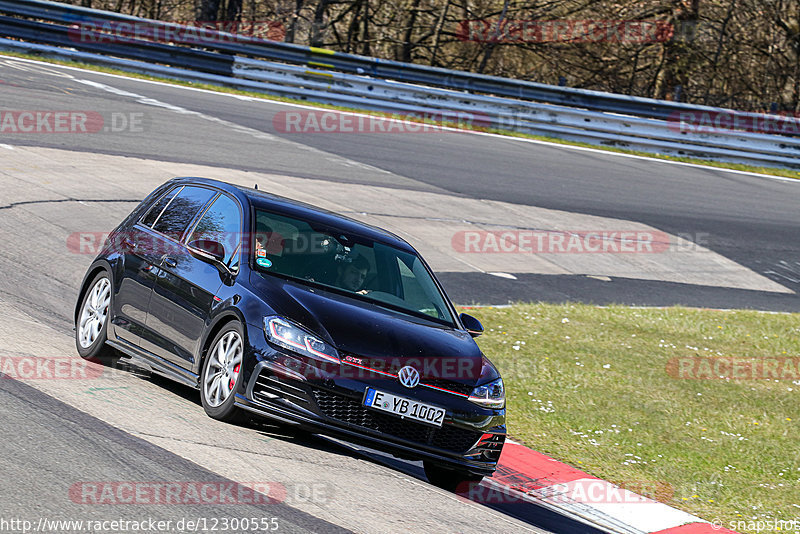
(357, 266)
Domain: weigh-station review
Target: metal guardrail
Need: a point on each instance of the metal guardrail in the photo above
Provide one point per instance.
(380, 85)
(58, 35)
(378, 68)
(527, 117)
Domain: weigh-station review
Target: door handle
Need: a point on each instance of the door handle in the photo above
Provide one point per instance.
(170, 262)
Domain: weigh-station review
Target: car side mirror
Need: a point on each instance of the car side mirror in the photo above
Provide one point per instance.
(473, 326)
(208, 249)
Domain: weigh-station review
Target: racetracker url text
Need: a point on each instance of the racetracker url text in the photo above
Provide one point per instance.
(144, 526)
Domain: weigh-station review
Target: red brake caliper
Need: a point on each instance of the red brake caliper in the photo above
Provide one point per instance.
(235, 374)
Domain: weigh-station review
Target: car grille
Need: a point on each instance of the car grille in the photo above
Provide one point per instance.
(344, 409)
(457, 387)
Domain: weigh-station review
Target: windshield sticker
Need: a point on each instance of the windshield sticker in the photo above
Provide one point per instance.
(261, 253)
(264, 262)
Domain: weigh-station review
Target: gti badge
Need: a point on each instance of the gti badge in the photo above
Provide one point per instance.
(408, 376)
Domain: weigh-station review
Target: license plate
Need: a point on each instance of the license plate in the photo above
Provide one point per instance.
(406, 408)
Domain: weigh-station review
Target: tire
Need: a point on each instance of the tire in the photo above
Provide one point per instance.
(91, 326)
(222, 374)
(449, 479)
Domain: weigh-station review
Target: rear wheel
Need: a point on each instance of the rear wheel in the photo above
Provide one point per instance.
(91, 326)
(222, 373)
(454, 480)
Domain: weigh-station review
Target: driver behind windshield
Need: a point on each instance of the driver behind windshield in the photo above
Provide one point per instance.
(352, 275)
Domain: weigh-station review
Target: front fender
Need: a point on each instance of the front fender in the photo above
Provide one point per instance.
(98, 265)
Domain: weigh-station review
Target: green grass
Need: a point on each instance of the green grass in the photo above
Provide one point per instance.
(773, 171)
(589, 386)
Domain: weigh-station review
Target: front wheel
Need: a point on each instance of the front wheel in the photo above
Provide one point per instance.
(91, 327)
(222, 373)
(450, 479)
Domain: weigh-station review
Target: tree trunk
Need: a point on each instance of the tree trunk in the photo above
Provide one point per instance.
(787, 17)
(490, 46)
(317, 26)
(720, 43)
(367, 49)
(438, 32)
(292, 29)
(234, 11)
(208, 10)
(677, 52)
(409, 34)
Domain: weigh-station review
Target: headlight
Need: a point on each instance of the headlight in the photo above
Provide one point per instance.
(291, 336)
(491, 395)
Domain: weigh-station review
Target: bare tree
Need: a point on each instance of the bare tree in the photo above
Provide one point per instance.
(208, 10)
(735, 53)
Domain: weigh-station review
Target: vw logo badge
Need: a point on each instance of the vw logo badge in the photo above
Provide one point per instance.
(408, 376)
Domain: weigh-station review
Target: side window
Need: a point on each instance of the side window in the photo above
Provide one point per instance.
(156, 209)
(183, 208)
(222, 222)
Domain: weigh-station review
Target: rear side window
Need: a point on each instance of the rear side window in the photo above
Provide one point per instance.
(158, 207)
(222, 222)
(182, 210)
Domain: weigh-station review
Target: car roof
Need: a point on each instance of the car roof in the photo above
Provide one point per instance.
(301, 210)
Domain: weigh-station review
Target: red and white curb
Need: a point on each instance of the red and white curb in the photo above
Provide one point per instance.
(529, 476)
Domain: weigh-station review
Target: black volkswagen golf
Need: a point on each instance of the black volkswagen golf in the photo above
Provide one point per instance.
(277, 308)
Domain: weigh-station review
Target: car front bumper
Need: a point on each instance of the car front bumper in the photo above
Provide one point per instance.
(470, 439)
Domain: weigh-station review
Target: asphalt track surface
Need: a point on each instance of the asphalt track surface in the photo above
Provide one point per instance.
(52, 443)
(751, 220)
(122, 426)
(69, 438)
